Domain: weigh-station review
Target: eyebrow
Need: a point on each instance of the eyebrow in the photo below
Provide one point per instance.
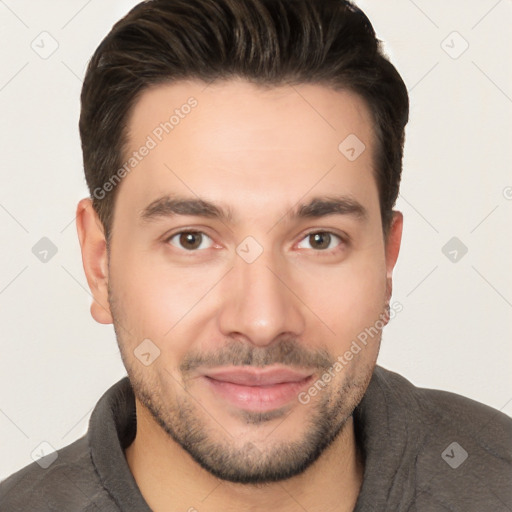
(170, 206)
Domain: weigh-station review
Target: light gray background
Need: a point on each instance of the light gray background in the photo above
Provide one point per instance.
(454, 331)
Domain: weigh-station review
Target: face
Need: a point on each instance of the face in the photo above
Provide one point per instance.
(247, 251)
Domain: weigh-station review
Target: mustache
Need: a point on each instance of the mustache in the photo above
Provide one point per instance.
(286, 351)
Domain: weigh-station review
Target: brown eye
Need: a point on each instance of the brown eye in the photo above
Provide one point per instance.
(320, 241)
(190, 240)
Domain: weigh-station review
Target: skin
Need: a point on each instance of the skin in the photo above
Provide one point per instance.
(258, 152)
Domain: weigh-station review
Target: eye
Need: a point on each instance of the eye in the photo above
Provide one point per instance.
(190, 240)
(321, 241)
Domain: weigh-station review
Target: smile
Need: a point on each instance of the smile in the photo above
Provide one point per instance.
(257, 390)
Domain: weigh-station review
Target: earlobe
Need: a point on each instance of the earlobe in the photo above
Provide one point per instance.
(94, 258)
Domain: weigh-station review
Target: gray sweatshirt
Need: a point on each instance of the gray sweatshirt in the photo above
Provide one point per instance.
(424, 451)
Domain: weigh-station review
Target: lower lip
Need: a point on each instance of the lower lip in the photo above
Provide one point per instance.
(258, 398)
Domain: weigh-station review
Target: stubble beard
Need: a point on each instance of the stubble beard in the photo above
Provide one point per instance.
(184, 420)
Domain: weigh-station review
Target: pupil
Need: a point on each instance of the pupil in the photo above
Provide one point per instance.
(320, 240)
(190, 240)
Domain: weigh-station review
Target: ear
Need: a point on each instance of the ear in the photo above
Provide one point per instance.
(94, 258)
(392, 248)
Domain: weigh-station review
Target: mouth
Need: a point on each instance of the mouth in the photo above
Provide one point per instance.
(256, 389)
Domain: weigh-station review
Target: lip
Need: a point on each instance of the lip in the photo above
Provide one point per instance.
(257, 389)
(257, 377)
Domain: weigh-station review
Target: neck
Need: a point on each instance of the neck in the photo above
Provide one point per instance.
(170, 480)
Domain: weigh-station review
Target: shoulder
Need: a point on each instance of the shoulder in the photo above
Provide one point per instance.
(449, 410)
(461, 450)
(63, 480)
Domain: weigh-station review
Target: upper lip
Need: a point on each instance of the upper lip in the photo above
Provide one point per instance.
(257, 377)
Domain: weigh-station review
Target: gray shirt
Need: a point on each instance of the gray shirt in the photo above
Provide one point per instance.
(424, 451)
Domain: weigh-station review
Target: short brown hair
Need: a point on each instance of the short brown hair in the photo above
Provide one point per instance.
(267, 42)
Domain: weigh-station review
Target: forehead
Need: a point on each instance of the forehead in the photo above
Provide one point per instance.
(238, 143)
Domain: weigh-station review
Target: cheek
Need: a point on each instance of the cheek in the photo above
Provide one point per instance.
(348, 297)
(154, 300)
(137, 293)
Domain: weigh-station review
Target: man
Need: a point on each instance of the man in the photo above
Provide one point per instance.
(244, 158)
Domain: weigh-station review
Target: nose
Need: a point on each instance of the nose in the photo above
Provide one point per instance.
(258, 302)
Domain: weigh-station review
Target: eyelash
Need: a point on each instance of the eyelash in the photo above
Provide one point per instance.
(343, 240)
